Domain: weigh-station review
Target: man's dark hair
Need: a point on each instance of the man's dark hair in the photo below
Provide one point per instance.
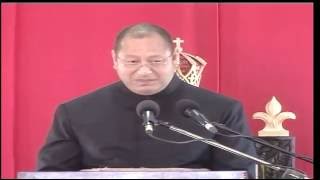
(142, 30)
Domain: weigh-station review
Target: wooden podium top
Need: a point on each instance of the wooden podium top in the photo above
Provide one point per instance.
(136, 173)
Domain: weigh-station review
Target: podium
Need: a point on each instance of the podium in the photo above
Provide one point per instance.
(137, 173)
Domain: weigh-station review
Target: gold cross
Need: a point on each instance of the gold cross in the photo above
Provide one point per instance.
(178, 43)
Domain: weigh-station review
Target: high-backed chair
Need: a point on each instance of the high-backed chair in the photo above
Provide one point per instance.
(274, 134)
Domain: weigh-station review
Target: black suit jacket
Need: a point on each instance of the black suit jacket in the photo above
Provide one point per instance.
(102, 129)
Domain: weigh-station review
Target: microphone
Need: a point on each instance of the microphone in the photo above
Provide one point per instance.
(148, 110)
(189, 109)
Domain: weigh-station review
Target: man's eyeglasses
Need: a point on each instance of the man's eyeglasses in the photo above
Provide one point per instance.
(133, 62)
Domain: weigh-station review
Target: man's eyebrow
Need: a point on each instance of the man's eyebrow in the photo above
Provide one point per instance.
(131, 56)
(136, 56)
(159, 56)
(155, 56)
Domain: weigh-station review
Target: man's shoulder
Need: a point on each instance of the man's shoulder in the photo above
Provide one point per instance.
(215, 106)
(210, 95)
(96, 95)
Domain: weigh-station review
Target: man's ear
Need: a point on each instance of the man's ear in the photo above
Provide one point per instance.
(114, 59)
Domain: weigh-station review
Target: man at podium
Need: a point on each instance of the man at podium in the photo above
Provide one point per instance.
(102, 128)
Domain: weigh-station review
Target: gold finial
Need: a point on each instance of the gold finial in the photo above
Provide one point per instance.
(273, 119)
(178, 43)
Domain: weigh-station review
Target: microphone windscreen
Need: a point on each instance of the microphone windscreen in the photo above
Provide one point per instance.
(148, 105)
(183, 104)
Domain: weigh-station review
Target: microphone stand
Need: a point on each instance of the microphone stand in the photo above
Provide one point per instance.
(289, 173)
(221, 126)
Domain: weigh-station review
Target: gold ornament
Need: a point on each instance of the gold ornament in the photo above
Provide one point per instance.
(273, 119)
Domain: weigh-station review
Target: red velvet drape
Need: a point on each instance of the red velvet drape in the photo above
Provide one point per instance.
(54, 52)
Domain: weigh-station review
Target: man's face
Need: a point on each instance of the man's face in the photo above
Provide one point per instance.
(145, 65)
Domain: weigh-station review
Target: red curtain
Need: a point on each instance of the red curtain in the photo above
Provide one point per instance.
(55, 52)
